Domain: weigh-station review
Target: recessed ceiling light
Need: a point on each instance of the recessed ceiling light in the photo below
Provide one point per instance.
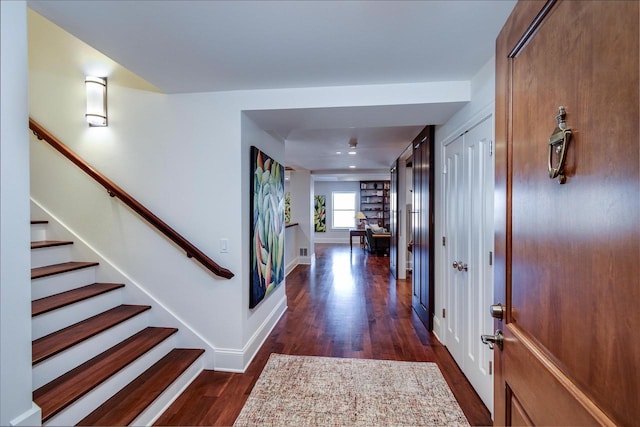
(338, 152)
(352, 167)
(352, 152)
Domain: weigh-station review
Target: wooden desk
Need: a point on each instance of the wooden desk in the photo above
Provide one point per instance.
(360, 233)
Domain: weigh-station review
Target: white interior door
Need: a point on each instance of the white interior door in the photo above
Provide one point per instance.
(469, 275)
(479, 292)
(455, 232)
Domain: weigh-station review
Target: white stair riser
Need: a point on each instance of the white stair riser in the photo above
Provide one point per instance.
(50, 255)
(162, 403)
(89, 402)
(53, 321)
(51, 285)
(63, 362)
(38, 232)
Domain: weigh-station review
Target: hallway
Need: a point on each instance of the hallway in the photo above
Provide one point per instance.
(346, 305)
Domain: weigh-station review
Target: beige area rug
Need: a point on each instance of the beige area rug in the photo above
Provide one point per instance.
(325, 391)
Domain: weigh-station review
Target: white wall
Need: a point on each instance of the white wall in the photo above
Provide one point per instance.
(185, 157)
(257, 322)
(326, 188)
(301, 187)
(16, 406)
(480, 107)
(290, 248)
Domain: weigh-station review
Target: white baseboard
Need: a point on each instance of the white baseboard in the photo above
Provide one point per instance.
(32, 417)
(229, 360)
(291, 265)
(305, 260)
(437, 329)
(237, 360)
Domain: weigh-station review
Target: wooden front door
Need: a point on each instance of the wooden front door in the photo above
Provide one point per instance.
(568, 255)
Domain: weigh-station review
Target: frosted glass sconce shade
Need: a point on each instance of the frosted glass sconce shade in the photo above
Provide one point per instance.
(96, 100)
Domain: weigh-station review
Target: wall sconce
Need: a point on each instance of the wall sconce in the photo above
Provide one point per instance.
(96, 100)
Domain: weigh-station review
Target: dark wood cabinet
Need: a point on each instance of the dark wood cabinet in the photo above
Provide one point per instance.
(393, 221)
(422, 224)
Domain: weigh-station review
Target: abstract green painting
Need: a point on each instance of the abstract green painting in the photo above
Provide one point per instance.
(320, 213)
(267, 226)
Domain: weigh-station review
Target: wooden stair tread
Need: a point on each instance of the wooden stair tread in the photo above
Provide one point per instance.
(49, 270)
(53, 302)
(68, 388)
(50, 243)
(126, 405)
(54, 343)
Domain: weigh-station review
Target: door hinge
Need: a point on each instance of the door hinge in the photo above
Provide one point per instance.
(490, 367)
(490, 147)
(444, 241)
(444, 313)
(490, 257)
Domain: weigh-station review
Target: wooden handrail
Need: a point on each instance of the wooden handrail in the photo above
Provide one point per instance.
(115, 191)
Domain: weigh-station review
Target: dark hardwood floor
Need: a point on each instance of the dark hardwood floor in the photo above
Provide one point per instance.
(346, 305)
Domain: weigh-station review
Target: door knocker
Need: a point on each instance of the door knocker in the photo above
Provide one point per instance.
(558, 142)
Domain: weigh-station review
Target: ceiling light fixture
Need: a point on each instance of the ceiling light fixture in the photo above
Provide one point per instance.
(353, 143)
(352, 167)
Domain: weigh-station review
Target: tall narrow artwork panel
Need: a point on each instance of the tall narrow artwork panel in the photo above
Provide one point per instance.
(320, 213)
(267, 226)
(287, 208)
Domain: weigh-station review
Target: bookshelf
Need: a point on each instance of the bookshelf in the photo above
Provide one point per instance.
(374, 201)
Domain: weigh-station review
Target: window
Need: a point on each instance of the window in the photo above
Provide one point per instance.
(344, 209)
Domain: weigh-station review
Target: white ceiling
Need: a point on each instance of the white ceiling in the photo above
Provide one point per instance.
(204, 46)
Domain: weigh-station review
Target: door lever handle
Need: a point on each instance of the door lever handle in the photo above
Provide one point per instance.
(493, 340)
(462, 266)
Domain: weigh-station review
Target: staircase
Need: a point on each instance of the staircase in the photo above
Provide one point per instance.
(96, 360)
